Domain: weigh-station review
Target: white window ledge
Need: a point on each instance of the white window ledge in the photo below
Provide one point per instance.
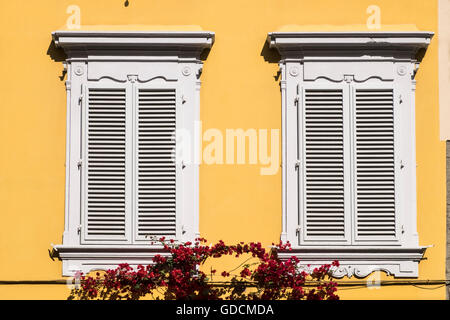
(104, 257)
(354, 261)
(360, 261)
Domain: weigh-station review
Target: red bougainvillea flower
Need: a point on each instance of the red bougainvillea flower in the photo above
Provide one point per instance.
(178, 275)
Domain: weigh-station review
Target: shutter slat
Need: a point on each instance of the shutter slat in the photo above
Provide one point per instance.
(156, 171)
(106, 121)
(375, 171)
(324, 164)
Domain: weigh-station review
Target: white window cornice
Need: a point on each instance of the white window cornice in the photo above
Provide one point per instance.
(188, 44)
(298, 44)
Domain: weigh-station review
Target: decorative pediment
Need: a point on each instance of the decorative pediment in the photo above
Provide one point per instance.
(337, 71)
(120, 71)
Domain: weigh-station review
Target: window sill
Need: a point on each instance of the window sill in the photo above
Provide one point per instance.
(360, 261)
(88, 258)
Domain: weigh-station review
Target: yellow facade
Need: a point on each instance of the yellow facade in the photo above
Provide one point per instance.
(239, 90)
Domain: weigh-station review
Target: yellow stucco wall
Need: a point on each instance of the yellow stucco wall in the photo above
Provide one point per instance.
(238, 91)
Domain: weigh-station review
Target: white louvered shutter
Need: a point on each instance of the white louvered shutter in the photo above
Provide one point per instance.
(375, 167)
(156, 169)
(324, 217)
(105, 164)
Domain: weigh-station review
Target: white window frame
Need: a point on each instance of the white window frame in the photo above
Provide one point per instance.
(379, 59)
(158, 59)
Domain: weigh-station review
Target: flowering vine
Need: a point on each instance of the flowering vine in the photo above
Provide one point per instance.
(178, 276)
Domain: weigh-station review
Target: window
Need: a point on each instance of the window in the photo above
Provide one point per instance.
(127, 95)
(349, 169)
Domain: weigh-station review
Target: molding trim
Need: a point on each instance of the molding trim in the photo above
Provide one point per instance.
(105, 251)
(290, 43)
(360, 261)
(103, 257)
(188, 43)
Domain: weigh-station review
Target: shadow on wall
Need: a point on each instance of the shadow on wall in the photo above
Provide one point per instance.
(205, 53)
(420, 54)
(271, 56)
(57, 55)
